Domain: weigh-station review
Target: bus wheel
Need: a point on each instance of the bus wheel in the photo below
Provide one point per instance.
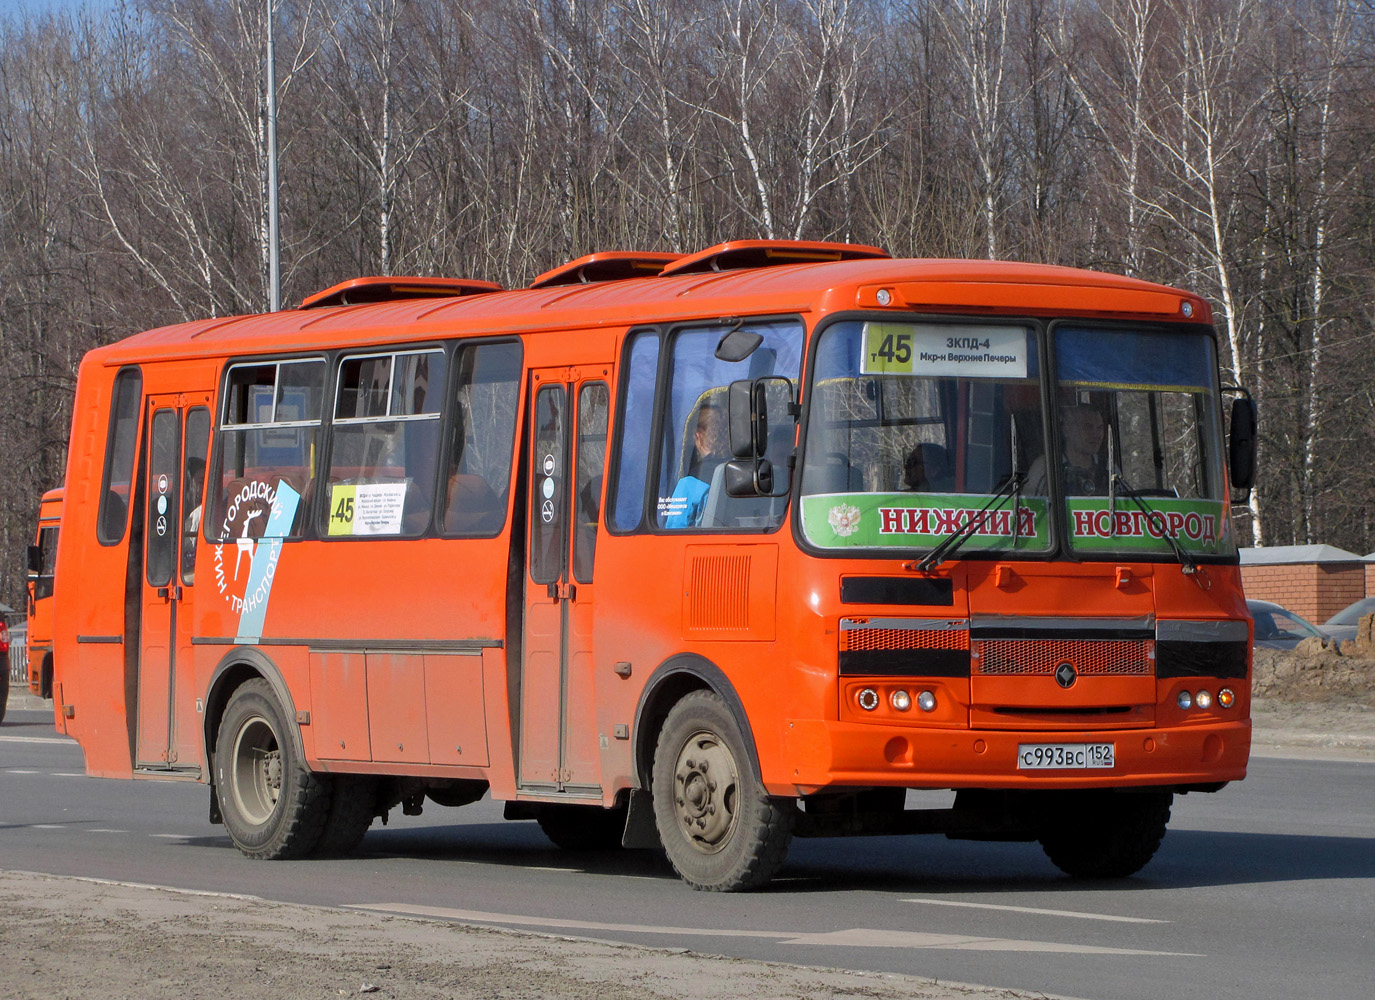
(721, 830)
(1109, 835)
(582, 828)
(272, 806)
(352, 805)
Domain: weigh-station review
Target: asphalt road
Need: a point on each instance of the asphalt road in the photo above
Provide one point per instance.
(1266, 889)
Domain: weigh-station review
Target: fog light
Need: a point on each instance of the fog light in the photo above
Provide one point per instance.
(868, 699)
(926, 701)
(901, 700)
(1226, 698)
(1185, 700)
(1204, 700)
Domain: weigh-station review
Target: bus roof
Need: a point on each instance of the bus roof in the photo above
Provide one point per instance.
(924, 285)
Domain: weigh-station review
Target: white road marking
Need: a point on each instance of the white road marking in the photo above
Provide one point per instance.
(568, 871)
(16, 771)
(1038, 910)
(48, 826)
(103, 830)
(171, 836)
(69, 774)
(67, 740)
(857, 937)
(143, 885)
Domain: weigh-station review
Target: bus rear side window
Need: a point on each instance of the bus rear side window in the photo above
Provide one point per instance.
(117, 488)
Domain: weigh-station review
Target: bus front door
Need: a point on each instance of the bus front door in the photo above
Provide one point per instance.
(176, 441)
(558, 719)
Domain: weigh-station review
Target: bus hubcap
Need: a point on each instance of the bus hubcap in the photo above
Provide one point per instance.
(257, 771)
(705, 792)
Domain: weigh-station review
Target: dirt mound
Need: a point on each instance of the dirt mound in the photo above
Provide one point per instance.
(1318, 671)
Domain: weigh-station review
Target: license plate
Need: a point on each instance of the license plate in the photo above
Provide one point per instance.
(1042, 756)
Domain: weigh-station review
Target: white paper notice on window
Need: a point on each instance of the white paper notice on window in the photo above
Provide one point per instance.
(944, 351)
(367, 509)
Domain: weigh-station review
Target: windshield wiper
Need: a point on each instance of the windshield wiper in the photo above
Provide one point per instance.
(951, 543)
(1188, 566)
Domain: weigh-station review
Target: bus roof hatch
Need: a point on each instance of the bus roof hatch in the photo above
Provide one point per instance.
(740, 254)
(357, 291)
(615, 265)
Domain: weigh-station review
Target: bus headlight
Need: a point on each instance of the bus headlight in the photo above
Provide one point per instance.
(868, 699)
(901, 700)
(1204, 700)
(926, 701)
(1185, 700)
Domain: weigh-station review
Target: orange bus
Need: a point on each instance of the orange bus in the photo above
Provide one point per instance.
(42, 560)
(697, 552)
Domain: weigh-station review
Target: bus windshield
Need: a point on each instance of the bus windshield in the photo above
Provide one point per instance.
(917, 429)
(1140, 442)
(914, 426)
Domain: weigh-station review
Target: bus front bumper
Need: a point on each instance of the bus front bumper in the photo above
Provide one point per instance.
(828, 754)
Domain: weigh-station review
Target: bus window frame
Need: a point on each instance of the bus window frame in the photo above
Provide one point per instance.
(668, 334)
(317, 526)
(1064, 548)
(1038, 328)
(217, 428)
(137, 374)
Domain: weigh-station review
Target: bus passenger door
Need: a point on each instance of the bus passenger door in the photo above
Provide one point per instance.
(558, 731)
(177, 439)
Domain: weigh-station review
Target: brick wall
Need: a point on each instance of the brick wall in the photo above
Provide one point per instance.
(1317, 591)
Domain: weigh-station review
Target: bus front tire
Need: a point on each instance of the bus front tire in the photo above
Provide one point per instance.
(272, 806)
(1108, 835)
(721, 830)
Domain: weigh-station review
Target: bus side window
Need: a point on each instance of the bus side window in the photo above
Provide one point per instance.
(694, 446)
(477, 478)
(628, 490)
(269, 437)
(385, 444)
(47, 544)
(119, 457)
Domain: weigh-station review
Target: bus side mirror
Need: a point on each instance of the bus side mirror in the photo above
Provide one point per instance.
(750, 402)
(1241, 443)
(35, 560)
(748, 418)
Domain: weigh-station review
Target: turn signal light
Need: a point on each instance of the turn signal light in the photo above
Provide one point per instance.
(868, 699)
(1226, 698)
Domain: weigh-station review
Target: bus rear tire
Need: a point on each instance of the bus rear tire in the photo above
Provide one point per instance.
(721, 830)
(272, 806)
(352, 805)
(1108, 835)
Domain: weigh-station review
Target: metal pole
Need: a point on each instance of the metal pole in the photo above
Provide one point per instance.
(274, 249)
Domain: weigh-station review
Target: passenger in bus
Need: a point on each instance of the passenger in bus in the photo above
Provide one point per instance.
(927, 469)
(1086, 467)
(685, 506)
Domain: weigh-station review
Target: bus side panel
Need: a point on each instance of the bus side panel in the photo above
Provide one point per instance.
(90, 680)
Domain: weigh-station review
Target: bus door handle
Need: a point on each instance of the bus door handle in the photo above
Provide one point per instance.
(562, 591)
(170, 593)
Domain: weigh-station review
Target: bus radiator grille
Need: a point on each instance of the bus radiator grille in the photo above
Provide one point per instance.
(1090, 657)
